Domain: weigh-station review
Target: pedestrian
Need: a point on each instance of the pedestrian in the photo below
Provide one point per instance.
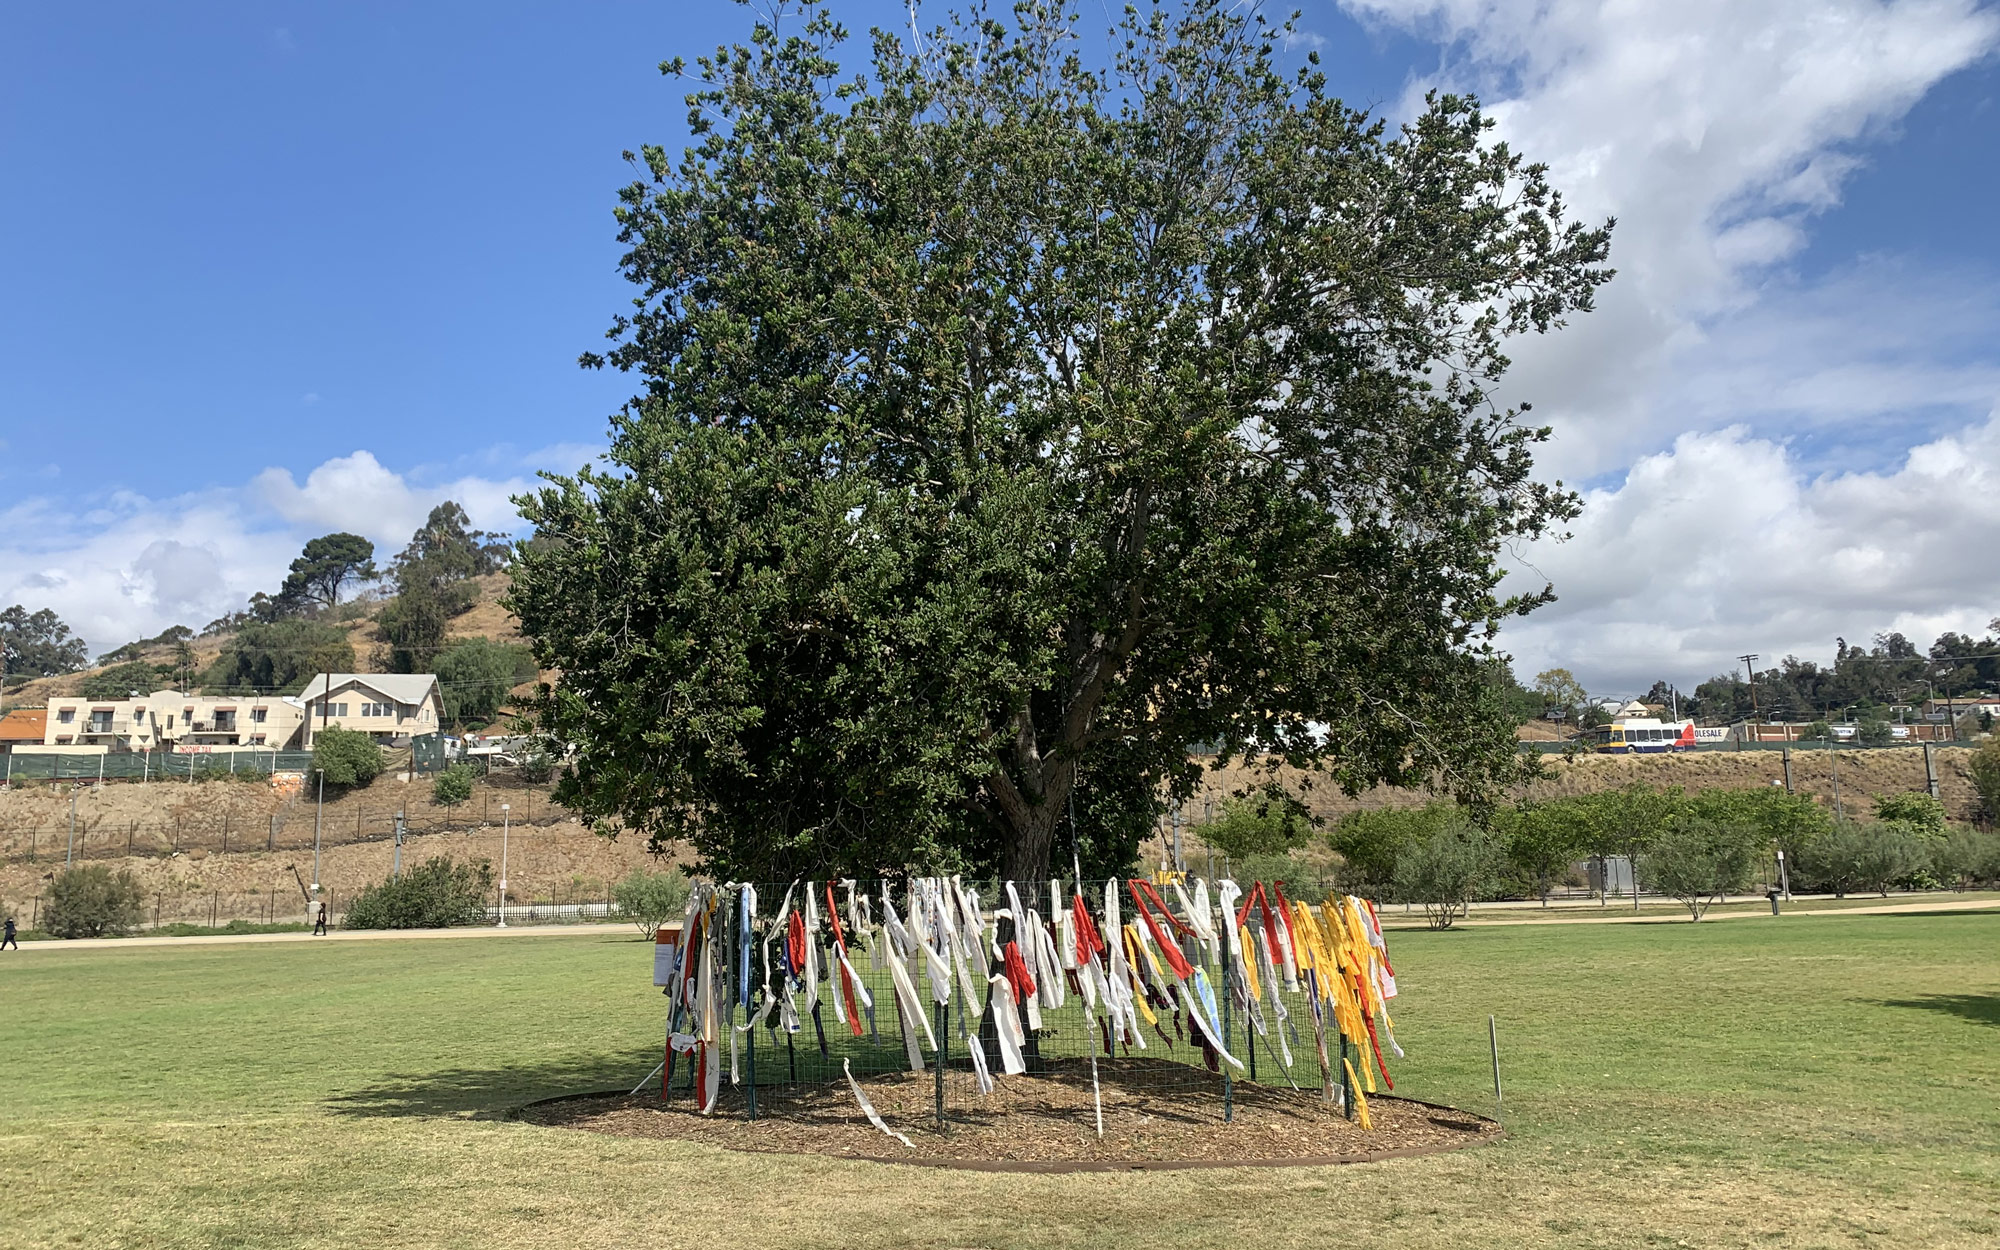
(9, 939)
(319, 926)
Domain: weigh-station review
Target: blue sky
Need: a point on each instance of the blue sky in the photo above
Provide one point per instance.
(273, 269)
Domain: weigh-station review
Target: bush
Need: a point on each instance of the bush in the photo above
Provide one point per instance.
(537, 767)
(1858, 855)
(347, 757)
(1371, 843)
(1966, 856)
(1445, 869)
(452, 786)
(650, 899)
(1263, 824)
(1985, 769)
(92, 901)
(1874, 733)
(438, 895)
(1916, 811)
(1698, 861)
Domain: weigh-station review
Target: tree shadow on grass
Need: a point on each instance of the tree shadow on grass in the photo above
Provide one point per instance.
(491, 1093)
(1978, 1008)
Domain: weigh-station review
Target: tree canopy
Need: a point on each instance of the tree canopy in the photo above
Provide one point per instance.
(1008, 425)
(433, 584)
(38, 644)
(328, 563)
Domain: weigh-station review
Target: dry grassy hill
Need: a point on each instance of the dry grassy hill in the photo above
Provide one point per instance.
(485, 618)
(1857, 775)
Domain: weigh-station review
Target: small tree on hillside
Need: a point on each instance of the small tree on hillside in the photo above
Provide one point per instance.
(328, 563)
(346, 757)
(452, 786)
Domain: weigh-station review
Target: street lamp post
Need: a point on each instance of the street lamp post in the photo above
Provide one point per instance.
(505, 821)
(319, 817)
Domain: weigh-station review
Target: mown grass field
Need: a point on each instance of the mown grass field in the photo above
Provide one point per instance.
(1810, 1081)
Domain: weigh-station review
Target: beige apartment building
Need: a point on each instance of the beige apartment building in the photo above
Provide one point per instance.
(391, 707)
(167, 720)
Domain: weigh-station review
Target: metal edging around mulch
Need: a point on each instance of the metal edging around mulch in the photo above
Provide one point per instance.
(1058, 1167)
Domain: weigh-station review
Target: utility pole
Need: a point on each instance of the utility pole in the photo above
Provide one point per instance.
(1750, 670)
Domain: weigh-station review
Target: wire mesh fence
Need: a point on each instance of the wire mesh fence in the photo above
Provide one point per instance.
(253, 819)
(1180, 988)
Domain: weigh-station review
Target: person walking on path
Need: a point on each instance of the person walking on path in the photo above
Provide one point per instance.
(8, 940)
(319, 926)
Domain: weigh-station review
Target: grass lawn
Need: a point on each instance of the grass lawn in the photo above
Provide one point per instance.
(1830, 1082)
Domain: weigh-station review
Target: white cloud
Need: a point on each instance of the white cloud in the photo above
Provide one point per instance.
(357, 494)
(1713, 129)
(1794, 459)
(1724, 545)
(121, 565)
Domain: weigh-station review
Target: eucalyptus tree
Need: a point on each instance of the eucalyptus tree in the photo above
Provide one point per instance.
(1021, 411)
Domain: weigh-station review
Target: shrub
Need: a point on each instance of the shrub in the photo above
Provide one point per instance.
(348, 757)
(1966, 856)
(437, 895)
(650, 899)
(1985, 769)
(1262, 824)
(1916, 811)
(1444, 869)
(452, 786)
(92, 901)
(537, 767)
(1874, 733)
(1697, 860)
(1858, 855)
(1370, 844)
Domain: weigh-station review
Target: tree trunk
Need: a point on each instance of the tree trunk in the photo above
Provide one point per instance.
(1029, 843)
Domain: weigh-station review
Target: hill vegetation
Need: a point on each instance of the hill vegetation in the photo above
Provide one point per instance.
(435, 608)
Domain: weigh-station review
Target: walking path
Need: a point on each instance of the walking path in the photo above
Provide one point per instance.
(613, 932)
(1482, 917)
(1796, 908)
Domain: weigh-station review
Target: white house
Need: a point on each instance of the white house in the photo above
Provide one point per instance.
(391, 707)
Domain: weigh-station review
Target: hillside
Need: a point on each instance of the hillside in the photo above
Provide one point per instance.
(485, 618)
(1861, 774)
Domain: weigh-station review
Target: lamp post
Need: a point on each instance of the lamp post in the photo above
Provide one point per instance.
(319, 817)
(505, 821)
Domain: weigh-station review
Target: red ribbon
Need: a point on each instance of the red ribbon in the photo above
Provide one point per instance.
(840, 967)
(1016, 970)
(1175, 960)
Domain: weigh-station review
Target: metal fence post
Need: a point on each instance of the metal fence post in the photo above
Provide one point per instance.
(1346, 1081)
(1228, 1078)
(752, 1064)
(944, 1041)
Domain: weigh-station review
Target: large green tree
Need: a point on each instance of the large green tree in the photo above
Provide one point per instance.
(1009, 425)
(282, 656)
(38, 644)
(434, 583)
(328, 563)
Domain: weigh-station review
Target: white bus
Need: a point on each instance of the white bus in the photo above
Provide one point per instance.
(1637, 736)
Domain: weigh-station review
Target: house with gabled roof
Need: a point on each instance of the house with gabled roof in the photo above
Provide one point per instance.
(392, 708)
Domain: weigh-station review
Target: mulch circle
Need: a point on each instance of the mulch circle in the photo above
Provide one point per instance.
(1157, 1114)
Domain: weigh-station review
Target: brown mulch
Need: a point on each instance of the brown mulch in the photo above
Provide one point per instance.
(1156, 1113)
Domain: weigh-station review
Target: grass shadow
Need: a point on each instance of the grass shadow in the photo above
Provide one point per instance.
(489, 1093)
(1978, 1008)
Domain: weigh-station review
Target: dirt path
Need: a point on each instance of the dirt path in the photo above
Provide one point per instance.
(1795, 910)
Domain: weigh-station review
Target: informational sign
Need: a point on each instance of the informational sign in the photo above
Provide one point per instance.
(666, 953)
